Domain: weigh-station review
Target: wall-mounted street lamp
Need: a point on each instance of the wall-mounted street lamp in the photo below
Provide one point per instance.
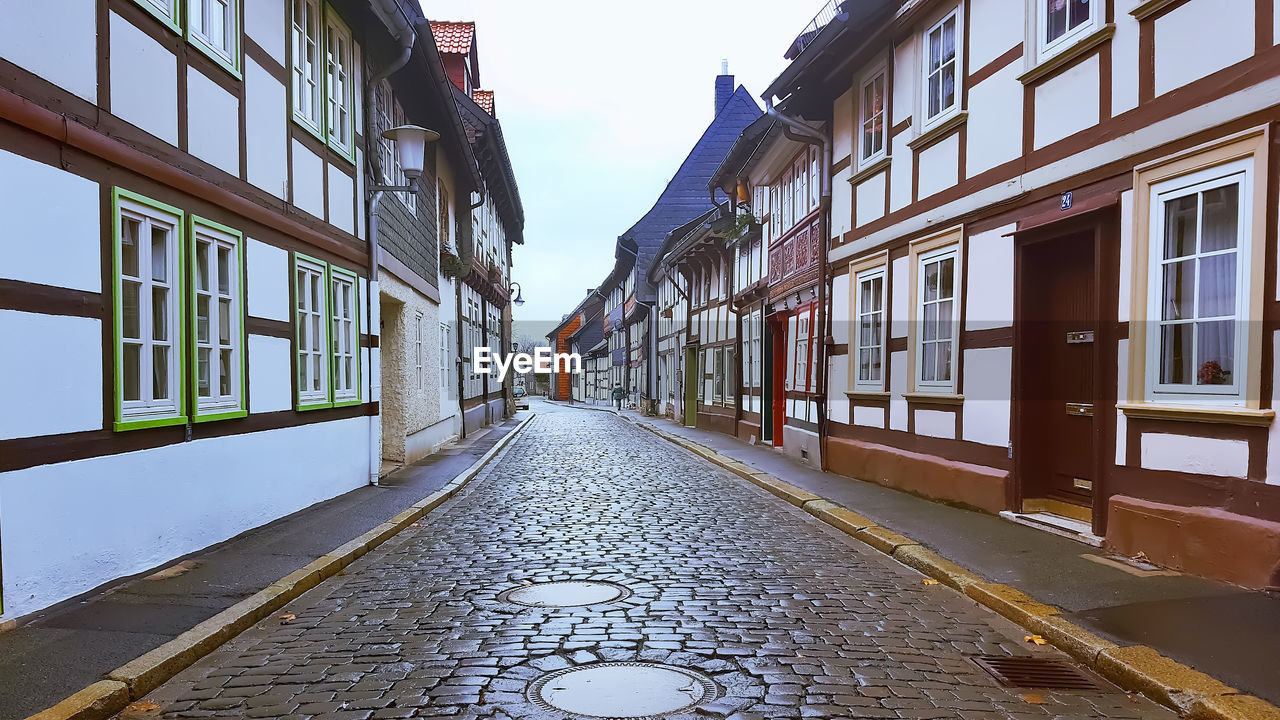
(411, 149)
(519, 294)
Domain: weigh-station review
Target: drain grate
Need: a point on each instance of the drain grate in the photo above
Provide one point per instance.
(1037, 672)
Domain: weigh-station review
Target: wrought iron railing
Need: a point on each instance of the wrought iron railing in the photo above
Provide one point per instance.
(828, 13)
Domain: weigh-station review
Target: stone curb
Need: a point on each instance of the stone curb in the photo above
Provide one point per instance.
(1135, 668)
(143, 674)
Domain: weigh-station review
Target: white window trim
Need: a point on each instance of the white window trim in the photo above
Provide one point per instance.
(147, 411)
(312, 398)
(343, 65)
(930, 248)
(218, 406)
(924, 259)
(880, 69)
(344, 345)
(302, 73)
(875, 268)
(922, 97)
(1037, 27)
(1241, 172)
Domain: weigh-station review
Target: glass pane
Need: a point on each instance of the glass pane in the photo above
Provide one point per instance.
(315, 372)
(160, 373)
(1217, 285)
(928, 360)
(875, 363)
(202, 265)
(159, 314)
(1215, 352)
(316, 299)
(877, 293)
(202, 372)
(302, 290)
(1180, 227)
(1179, 284)
(224, 321)
(224, 270)
(948, 86)
(1055, 19)
(864, 302)
(930, 321)
(129, 229)
(303, 379)
(129, 310)
(1221, 217)
(935, 49)
(931, 281)
(224, 374)
(935, 91)
(159, 254)
(944, 361)
(1079, 12)
(946, 287)
(315, 334)
(202, 318)
(1175, 354)
(944, 320)
(131, 361)
(949, 40)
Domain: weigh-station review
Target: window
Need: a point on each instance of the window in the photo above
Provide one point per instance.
(935, 312)
(1059, 23)
(941, 69)
(344, 308)
(751, 348)
(148, 327)
(312, 333)
(445, 355)
(217, 316)
(388, 114)
(869, 316)
(164, 10)
(873, 118)
(801, 358)
(307, 88)
(213, 26)
(728, 377)
(338, 92)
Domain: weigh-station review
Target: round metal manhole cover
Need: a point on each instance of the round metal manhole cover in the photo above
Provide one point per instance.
(622, 690)
(566, 593)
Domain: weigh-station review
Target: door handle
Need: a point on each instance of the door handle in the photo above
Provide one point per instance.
(1084, 409)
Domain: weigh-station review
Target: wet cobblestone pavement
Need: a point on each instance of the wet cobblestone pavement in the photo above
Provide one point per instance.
(790, 618)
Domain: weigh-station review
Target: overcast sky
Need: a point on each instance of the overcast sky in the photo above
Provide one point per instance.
(600, 102)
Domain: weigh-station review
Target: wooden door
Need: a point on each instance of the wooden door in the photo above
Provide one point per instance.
(779, 378)
(1059, 318)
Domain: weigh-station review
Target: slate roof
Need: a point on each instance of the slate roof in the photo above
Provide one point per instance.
(453, 37)
(686, 195)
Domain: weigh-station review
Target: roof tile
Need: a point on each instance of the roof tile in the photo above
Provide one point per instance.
(453, 37)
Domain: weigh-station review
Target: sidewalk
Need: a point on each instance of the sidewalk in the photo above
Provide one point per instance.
(1220, 629)
(75, 643)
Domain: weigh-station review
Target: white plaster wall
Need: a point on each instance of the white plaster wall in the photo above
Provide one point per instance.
(1122, 390)
(1126, 254)
(840, 308)
(900, 172)
(1067, 103)
(265, 107)
(843, 122)
(898, 408)
(197, 493)
(362, 218)
(868, 416)
(936, 423)
(995, 27)
(270, 374)
(144, 81)
(213, 123)
(54, 385)
(900, 298)
(267, 270)
(342, 212)
(1275, 22)
(989, 291)
(264, 24)
(1182, 53)
(55, 39)
(994, 126)
(29, 241)
(988, 379)
(308, 180)
(841, 203)
(904, 84)
(939, 166)
(1124, 58)
(870, 197)
(1191, 454)
(837, 404)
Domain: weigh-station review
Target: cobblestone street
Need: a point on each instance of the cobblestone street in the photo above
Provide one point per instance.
(788, 617)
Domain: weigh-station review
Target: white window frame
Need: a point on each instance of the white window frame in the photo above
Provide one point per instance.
(344, 318)
(308, 73)
(944, 113)
(1038, 25)
(446, 365)
(878, 271)
(310, 319)
(146, 410)
(1238, 172)
(225, 52)
(216, 238)
(878, 72)
(339, 61)
(924, 259)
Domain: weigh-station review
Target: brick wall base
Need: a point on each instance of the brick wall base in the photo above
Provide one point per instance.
(975, 486)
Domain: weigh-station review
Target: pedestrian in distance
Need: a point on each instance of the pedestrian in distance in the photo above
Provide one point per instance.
(619, 394)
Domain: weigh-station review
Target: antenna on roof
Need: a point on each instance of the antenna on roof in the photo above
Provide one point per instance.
(724, 66)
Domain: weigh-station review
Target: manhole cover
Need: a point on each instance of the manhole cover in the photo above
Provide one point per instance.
(565, 593)
(622, 690)
(1034, 672)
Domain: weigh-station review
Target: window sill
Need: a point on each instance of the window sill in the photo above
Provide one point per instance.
(938, 132)
(875, 167)
(935, 398)
(1068, 54)
(215, 415)
(1252, 417)
(867, 394)
(142, 423)
(1149, 8)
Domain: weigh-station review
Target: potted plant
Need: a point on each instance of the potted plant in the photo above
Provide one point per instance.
(452, 265)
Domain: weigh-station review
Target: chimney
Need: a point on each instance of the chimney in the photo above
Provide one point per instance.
(724, 86)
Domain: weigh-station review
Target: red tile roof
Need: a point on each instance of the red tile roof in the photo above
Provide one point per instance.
(453, 37)
(484, 98)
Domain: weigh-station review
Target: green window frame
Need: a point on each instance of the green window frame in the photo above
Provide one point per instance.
(205, 9)
(218, 340)
(340, 80)
(327, 363)
(137, 343)
(344, 338)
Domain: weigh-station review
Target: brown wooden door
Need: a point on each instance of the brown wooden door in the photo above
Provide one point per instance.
(1059, 316)
(779, 381)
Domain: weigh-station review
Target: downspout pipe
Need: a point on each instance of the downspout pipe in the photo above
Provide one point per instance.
(800, 131)
(403, 32)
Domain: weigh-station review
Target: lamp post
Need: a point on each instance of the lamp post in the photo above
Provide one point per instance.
(519, 294)
(411, 149)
